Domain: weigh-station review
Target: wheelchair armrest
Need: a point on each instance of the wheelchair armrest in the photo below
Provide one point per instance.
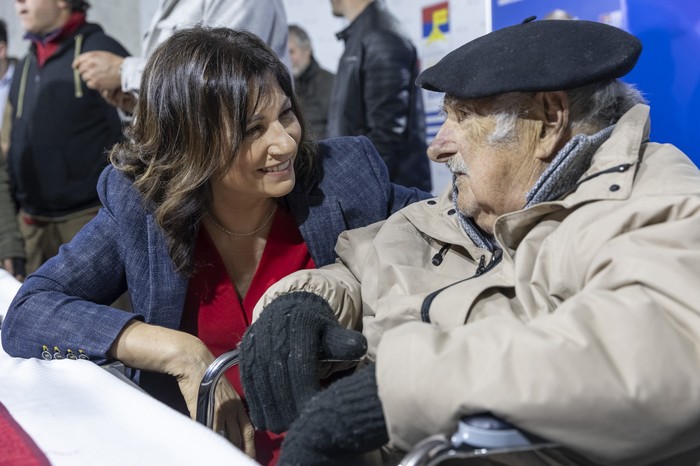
(207, 388)
(486, 431)
(478, 435)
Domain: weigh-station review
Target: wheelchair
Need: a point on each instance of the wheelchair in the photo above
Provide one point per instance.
(477, 436)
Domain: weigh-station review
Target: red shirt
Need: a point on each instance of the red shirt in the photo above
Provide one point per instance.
(47, 46)
(219, 318)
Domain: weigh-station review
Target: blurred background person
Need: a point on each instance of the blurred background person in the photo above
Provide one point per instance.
(61, 130)
(558, 13)
(118, 78)
(7, 69)
(374, 92)
(311, 82)
(11, 245)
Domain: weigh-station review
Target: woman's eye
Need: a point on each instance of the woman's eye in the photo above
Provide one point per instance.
(287, 115)
(252, 131)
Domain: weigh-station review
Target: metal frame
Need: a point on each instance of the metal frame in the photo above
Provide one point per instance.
(207, 389)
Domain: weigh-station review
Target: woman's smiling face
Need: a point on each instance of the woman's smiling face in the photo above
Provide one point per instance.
(264, 165)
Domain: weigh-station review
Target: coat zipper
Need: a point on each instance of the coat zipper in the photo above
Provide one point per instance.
(481, 269)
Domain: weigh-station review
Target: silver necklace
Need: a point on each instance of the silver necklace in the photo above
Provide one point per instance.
(231, 233)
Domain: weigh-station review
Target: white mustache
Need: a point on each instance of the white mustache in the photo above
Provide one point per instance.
(457, 165)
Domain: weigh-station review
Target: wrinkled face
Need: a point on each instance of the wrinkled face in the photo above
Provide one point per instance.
(264, 165)
(42, 16)
(299, 55)
(492, 178)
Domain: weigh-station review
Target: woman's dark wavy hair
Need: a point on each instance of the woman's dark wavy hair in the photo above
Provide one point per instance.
(197, 91)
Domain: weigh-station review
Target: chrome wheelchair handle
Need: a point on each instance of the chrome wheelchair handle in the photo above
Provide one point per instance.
(207, 389)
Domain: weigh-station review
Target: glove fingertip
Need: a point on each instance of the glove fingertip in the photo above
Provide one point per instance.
(344, 344)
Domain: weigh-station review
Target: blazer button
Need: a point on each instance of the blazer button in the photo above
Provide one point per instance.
(45, 353)
(57, 353)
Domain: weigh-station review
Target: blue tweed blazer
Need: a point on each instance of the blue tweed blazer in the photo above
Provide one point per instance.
(66, 302)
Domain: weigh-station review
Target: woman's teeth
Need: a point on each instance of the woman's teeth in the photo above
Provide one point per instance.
(280, 167)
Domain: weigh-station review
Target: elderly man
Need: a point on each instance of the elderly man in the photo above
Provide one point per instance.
(555, 284)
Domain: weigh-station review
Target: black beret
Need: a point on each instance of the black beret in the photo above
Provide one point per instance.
(546, 55)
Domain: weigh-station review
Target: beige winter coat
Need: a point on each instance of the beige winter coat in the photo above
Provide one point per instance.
(586, 332)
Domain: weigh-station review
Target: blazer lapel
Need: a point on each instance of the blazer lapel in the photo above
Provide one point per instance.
(320, 220)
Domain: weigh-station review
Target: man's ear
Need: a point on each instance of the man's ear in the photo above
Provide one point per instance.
(554, 112)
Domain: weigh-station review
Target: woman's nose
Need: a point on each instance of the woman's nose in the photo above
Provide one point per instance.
(282, 142)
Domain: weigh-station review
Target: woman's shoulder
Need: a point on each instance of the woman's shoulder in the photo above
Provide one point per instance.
(118, 193)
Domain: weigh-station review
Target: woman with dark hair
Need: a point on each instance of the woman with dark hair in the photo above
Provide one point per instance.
(216, 194)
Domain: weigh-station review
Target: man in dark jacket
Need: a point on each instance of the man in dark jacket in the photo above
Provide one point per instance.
(61, 130)
(11, 246)
(311, 82)
(374, 93)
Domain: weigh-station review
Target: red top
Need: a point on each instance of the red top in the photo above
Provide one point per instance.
(219, 318)
(47, 46)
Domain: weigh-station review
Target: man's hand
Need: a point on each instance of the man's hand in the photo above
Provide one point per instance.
(99, 70)
(15, 266)
(339, 423)
(120, 99)
(280, 352)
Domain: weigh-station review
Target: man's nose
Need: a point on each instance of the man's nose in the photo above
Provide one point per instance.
(444, 146)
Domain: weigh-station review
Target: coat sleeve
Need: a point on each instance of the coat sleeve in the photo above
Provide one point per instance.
(131, 71)
(611, 371)
(66, 302)
(266, 20)
(387, 69)
(337, 283)
(11, 244)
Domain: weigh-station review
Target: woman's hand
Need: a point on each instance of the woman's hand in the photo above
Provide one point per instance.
(184, 356)
(229, 412)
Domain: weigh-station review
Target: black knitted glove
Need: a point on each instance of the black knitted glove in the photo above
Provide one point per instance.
(279, 356)
(342, 421)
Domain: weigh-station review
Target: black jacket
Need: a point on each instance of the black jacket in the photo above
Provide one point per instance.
(374, 94)
(313, 87)
(61, 130)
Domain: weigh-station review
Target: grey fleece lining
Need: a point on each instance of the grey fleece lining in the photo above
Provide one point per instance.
(567, 168)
